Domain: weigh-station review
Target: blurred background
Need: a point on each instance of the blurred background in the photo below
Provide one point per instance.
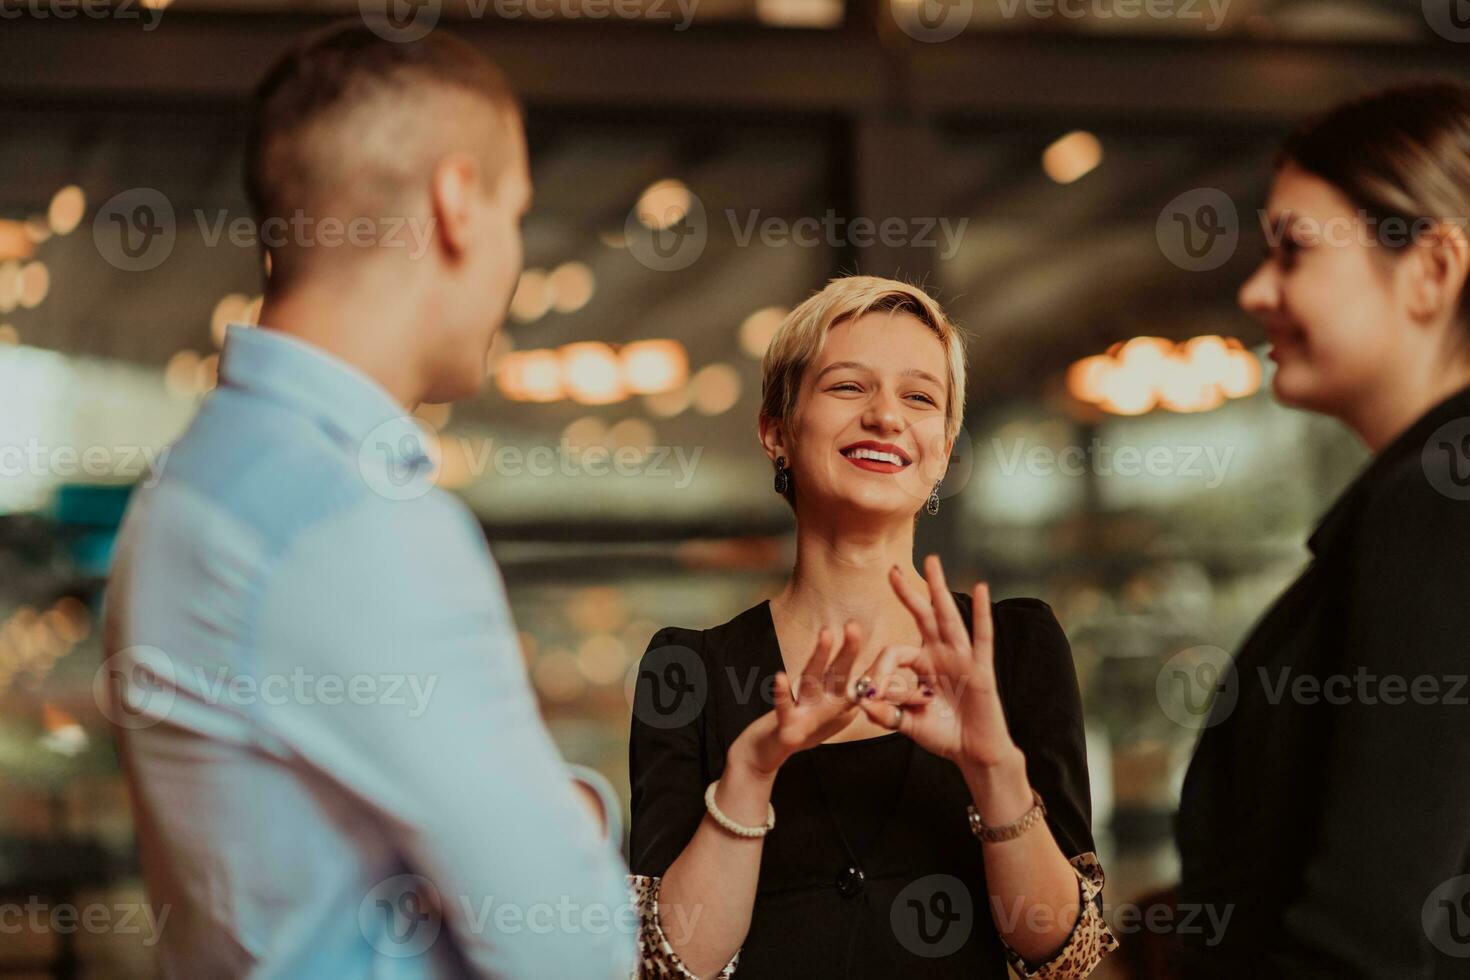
(1076, 180)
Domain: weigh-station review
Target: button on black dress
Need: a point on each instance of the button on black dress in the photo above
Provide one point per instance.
(871, 871)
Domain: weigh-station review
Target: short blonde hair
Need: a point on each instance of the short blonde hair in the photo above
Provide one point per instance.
(800, 337)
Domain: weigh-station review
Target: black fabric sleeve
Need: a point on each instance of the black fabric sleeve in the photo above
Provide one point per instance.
(1043, 707)
(666, 758)
(1392, 827)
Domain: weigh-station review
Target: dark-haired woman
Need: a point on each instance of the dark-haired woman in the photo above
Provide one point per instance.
(931, 822)
(1327, 809)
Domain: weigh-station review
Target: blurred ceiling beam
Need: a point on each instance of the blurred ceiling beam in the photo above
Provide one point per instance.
(866, 65)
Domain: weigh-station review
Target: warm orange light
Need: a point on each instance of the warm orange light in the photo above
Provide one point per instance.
(531, 376)
(1085, 377)
(35, 285)
(663, 204)
(651, 367)
(66, 210)
(593, 373)
(716, 389)
(1072, 157)
(571, 285)
(1242, 375)
(758, 329)
(15, 243)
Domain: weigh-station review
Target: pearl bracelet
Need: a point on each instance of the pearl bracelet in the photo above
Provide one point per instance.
(739, 830)
(1012, 830)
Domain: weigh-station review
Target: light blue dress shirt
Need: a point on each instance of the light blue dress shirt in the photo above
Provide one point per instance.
(337, 764)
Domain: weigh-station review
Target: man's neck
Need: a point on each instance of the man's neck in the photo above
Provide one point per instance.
(366, 330)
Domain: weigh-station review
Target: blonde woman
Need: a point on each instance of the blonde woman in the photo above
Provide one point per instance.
(867, 775)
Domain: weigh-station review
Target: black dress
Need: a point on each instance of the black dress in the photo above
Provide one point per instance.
(1327, 808)
(871, 870)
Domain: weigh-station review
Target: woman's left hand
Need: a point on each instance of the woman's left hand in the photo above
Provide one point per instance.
(955, 712)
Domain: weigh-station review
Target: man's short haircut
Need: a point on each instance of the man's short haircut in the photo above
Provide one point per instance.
(347, 123)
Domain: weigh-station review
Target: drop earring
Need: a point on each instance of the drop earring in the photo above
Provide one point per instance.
(933, 505)
(783, 476)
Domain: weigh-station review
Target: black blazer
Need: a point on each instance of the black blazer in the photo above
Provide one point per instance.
(1328, 809)
(813, 917)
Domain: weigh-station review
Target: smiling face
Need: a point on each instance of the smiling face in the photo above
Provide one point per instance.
(869, 428)
(1330, 296)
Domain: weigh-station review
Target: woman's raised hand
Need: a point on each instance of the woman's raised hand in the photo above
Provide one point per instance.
(955, 710)
(819, 706)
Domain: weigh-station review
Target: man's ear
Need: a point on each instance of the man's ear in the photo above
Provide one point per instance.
(773, 438)
(1442, 260)
(452, 190)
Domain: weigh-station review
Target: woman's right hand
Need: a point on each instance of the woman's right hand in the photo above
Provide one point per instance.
(823, 704)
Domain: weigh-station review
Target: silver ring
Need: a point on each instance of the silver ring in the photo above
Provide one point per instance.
(898, 716)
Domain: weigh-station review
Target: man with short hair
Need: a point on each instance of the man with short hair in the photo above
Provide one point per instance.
(337, 764)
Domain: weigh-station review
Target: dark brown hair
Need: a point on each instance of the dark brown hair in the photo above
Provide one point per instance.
(1402, 154)
(323, 78)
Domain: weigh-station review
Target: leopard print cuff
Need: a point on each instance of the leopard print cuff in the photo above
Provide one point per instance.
(1091, 939)
(656, 958)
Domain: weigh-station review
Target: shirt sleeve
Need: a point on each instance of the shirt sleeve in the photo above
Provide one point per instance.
(666, 765)
(1043, 708)
(451, 755)
(668, 773)
(1391, 830)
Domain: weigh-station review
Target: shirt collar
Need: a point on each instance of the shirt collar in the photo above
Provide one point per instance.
(1409, 443)
(338, 397)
